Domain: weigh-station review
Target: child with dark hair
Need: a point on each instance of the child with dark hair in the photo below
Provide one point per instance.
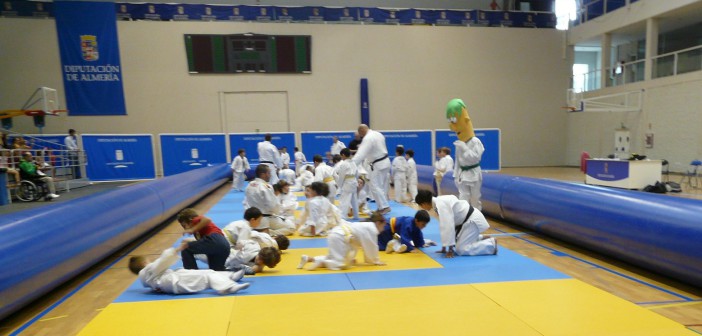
(209, 240)
(287, 200)
(347, 181)
(402, 234)
(240, 165)
(319, 215)
(158, 276)
(324, 173)
(399, 175)
(266, 257)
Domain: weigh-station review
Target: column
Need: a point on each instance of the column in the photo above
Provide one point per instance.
(651, 46)
(605, 60)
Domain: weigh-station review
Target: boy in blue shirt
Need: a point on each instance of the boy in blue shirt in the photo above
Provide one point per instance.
(402, 234)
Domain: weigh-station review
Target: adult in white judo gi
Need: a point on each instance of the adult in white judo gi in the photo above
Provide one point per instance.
(460, 225)
(268, 154)
(374, 151)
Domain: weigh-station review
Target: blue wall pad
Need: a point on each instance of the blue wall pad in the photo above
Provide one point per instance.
(656, 232)
(43, 247)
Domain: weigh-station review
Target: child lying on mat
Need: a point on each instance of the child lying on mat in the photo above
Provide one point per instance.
(402, 234)
(344, 240)
(158, 276)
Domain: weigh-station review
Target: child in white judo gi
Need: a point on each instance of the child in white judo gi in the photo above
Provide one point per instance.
(305, 179)
(252, 258)
(319, 215)
(460, 225)
(344, 240)
(158, 276)
(399, 175)
(288, 175)
(240, 230)
(347, 181)
(411, 174)
(325, 173)
(288, 201)
(240, 165)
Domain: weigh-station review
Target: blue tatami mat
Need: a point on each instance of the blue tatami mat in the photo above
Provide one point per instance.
(506, 266)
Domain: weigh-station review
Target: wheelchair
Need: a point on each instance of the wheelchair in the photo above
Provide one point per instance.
(30, 191)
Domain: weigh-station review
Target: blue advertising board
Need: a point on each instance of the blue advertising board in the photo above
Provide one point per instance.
(119, 157)
(320, 143)
(185, 152)
(419, 141)
(314, 143)
(249, 142)
(490, 137)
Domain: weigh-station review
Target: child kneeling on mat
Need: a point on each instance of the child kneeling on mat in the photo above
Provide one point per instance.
(402, 234)
(344, 240)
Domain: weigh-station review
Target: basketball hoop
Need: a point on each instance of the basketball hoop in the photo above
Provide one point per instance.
(48, 101)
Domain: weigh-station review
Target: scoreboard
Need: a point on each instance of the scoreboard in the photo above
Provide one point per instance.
(248, 53)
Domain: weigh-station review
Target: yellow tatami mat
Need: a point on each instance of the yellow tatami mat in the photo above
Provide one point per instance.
(522, 308)
(394, 261)
(168, 317)
(444, 310)
(572, 307)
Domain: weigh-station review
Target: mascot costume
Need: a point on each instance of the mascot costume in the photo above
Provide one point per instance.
(469, 151)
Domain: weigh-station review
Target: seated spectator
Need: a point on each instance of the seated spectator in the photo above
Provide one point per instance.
(29, 170)
(5, 163)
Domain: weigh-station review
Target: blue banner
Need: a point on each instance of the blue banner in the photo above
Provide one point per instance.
(345, 15)
(92, 74)
(249, 142)
(419, 141)
(119, 157)
(319, 143)
(365, 104)
(489, 137)
(310, 14)
(186, 152)
(27, 9)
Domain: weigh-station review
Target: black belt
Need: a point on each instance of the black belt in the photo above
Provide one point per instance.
(460, 226)
(381, 159)
(464, 168)
(269, 215)
(271, 162)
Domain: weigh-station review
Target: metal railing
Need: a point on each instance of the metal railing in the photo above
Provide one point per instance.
(677, 62)
(592, 9)
(62, 165)
(670, 64)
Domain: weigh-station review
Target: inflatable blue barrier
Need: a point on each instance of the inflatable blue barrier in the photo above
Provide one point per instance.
(42, 248)
(655, 232)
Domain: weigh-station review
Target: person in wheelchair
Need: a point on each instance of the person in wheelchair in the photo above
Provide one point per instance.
(30, 171)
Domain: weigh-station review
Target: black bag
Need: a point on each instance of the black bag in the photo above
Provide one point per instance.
(659, 188)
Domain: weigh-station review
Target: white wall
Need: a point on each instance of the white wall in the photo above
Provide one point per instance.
(512, 79)
(673, 107)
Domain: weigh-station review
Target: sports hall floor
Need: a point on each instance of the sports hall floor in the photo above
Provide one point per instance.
(534, 286)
